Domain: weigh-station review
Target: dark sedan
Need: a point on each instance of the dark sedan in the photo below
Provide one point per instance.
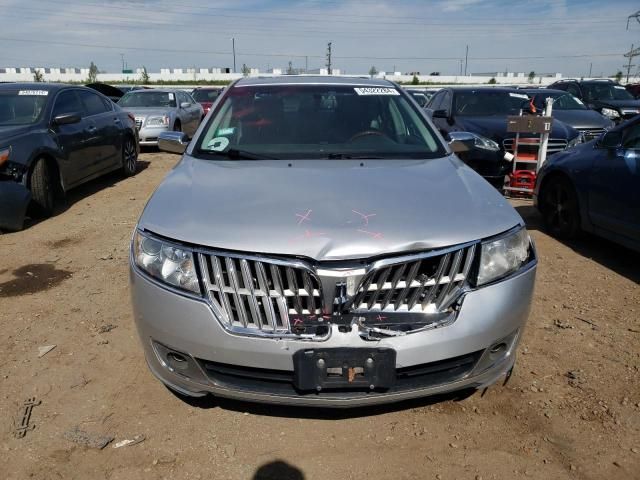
(571, 110)
(483, 112)
(595, 187)
(53, 138)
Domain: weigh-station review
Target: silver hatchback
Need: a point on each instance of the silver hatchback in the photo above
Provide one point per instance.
(320, 244)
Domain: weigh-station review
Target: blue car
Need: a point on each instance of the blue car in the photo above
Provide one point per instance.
(595, 187)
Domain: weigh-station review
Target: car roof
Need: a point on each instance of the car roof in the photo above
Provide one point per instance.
(485, 89)
(50, 87)
(313, 80)
(544, 90)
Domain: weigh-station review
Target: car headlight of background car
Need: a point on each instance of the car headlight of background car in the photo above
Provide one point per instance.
(165, 262)
(485, 143)
(503, 256)
(610, 112)
(157, 121)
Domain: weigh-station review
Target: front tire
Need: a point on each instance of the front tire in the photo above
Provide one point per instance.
(560, 211)
(41, 186)
(129, 157)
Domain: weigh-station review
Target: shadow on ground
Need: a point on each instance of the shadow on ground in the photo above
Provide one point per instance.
(615, 257)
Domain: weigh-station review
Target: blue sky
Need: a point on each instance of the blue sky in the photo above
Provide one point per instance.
(411, 35)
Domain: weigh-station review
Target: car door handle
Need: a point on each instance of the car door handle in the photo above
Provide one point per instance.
(117, 120)
(91, 129)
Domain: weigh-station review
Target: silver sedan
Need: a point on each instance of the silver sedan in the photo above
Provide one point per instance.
(158, 110)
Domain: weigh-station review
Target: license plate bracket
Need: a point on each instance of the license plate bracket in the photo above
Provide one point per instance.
(344, 368)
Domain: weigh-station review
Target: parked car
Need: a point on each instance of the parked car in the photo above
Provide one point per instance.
(54, 137)
(301, 252)
(206, 96)
(633, 89)
(606, 96)
(595, 187)
(115, 93)
(571, 111)
(483, 112)
(159, 110)
(419, 96)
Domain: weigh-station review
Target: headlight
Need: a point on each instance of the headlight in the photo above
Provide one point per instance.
(485, 143)
(165, 262)
(610, 112)
(576, 141)
(162, 121)
(503, 256)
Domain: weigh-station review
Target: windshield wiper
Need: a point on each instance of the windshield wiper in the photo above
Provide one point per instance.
(339, 156)
(235, 154)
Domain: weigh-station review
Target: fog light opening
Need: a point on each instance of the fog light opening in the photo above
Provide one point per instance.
(177, 361)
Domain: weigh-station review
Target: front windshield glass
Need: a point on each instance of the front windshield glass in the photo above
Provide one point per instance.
(318, 121)
(148, 99)
(605, 91)
(22, 107)
(561, 101)
(202, 95)
(488, 103)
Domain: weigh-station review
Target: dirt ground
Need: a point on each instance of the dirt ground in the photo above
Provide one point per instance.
(571, 410)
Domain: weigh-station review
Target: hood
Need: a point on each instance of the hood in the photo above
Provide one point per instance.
(326, 209)
(616, 103)
(582, 119)
(495, 128)
(148, 111)
(7, 132)
(106, 90)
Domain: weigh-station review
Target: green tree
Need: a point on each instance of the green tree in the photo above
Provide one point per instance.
(618, 76)
(144, 76)
(532, 75)
(245, 70)
(415, 80)
(373, 71)
(93, 73)
(38, 76)
(492, 81)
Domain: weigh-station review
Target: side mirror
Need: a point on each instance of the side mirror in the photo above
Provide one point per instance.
(173, 142)
(67, 119)
(461, 141)
(185, 105)
(440, 114)
(610, 140)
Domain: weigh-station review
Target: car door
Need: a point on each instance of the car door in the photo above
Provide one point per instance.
(71, 138)
(614, 194)
(105, 142)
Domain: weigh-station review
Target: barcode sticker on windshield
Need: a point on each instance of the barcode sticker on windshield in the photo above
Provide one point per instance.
(619, 87)
(519, 95)
(43, 93)
(376, 91)
(171, 96)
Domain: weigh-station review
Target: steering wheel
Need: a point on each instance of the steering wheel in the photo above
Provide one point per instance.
(364, 133)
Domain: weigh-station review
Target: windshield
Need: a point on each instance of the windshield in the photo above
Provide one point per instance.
(148, 99)
(22, 107)
(202, 95)
(605, 91)
(561, 101)
(318, 121)
(480, 103)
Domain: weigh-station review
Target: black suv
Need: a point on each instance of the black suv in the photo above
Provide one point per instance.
(606, 96)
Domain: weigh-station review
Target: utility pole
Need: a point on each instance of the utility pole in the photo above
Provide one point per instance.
(633, 15)
(460, 67)
(306, 63)
(590, 67)
(466, 59)
(233, 46)
(329, 71)
(632, 53)
(122, 57)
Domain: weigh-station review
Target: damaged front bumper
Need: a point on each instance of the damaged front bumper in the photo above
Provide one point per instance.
(14, 200)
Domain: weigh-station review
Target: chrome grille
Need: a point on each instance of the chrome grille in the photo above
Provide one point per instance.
(260, 294)
(527, 145)
(591, 133)
(422, 284)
